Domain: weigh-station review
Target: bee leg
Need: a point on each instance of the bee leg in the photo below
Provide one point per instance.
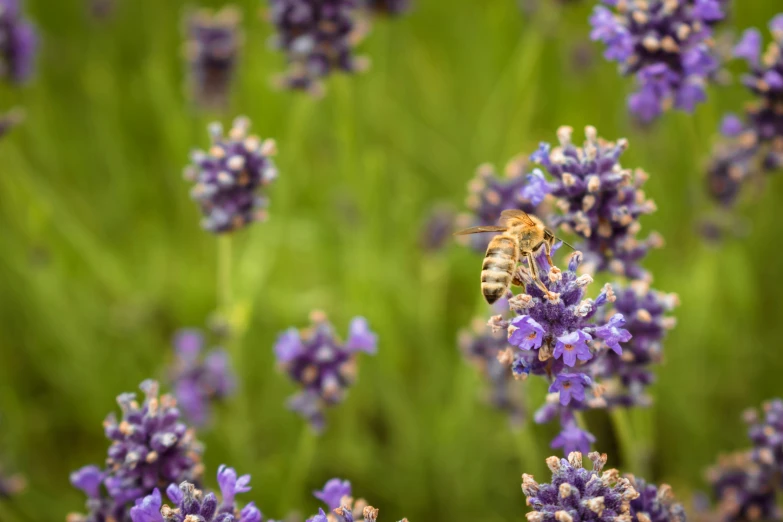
(534, 273)
(548, 253)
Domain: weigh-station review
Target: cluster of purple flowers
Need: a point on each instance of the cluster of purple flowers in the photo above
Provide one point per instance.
(753, 146)
(18, 43)
(191, 504)
(598, 199)
(322, 364)
(489, 194)
(229, 177)
(318, 37)
(199, 378)
(150, 446)
(747, 483)
(336, 494)
(212, 47)
(481, 346)
(578, 494)
(562, 336)
(666, 45)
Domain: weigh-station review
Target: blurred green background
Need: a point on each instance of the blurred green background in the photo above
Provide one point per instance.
(102, 258)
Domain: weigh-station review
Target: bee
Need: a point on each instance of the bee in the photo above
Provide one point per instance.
(521, 236)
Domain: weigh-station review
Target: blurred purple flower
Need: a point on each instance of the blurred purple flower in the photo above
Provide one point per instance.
(666, 45)
(322, 364)
(572, 438)
(389, 7)
(200, 377)
(333, 492)
(18, 43)
(229, 177)
(318, 38)
(213, 41)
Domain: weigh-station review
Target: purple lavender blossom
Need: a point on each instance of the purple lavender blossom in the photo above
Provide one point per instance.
(666, 45)
(766, 434)
(626, 375)
(481, 346)
(230, 176)
(192, 504)
(318, 38)
(491, 194)
(577, 494)
(322, 364)
(346, 510)
(573, 438)
(212, 47)
(18, 43)
(200, 378)
(555, 336)
(389, 7)
(599, 200)
(149, 447)
(753, 145)
(437, 228)
(745, 490)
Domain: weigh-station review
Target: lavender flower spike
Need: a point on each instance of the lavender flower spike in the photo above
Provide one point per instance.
(149, 446)
(346, 510)
(666, 45)
(318, 37)
(753, 145)
(578, 494)
(200, 378)
(18, 43)
(554, 334)
(211, 50)
(322, 364)
(230, 176)
(192, 504)
(600, 200)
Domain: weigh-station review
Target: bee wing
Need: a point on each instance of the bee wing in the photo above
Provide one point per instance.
(513, 213)
(478, 230)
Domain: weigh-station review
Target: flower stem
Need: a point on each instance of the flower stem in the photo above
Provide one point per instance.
(625, 439)
(224, 295)
(303, 458)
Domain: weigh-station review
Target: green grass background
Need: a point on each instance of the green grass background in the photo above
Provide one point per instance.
(102, 259)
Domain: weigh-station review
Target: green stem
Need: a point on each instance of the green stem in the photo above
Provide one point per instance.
(305, 451)
(224, 296)
(625, 439)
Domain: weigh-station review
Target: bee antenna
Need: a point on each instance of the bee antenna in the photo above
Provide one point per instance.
(566, 243)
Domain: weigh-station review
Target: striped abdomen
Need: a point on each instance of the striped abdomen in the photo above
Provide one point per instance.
(498, 268)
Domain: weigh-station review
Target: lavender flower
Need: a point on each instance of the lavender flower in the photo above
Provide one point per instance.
(600, 201)
(229, 177)
(322, 364)
(149, 447)
(645, 311)
(491, 194)
(212, 48)
(745, 490)
(559, 335)
(666, 45)
(437, 229)
(191, 504)
(577, 494)
(336, 494)
(766, 434)
(18, 43)
(753, 146)
(389, 7)
(481, 346)
(318, 37)
(200, 378)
